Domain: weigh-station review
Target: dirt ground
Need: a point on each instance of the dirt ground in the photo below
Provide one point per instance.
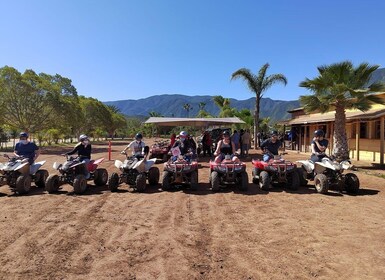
(186, 234)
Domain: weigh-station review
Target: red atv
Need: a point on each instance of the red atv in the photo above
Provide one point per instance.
(73, 172)
(228, 172)
(276, 170)
(180, 172)
(160, 150)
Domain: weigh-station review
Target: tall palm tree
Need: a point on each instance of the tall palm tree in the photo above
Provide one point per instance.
(224, 106)
(258, 84)
(202, 105)
(338, 87)
(187, 107)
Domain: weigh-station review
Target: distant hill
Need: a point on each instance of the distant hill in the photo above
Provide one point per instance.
(172, 105)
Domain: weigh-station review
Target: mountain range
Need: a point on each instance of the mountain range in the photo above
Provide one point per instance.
(171, 105)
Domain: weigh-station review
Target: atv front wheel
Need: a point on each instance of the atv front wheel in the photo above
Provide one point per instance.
(40, 178)
(255, 174)
(215, 180)
(264, 180)
(194, 180)
(302, 174)
(244, 184)
(52, 184)
(141, 182)
(101, 177)
(294, 181)
(352, 184)
(80, 184)
(23, 184)
(166, 180)
(321, 183)
(113, 182)
(153, 176)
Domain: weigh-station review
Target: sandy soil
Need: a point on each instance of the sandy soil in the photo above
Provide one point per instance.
(192, 235)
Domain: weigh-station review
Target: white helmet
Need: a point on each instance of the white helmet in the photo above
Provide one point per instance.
(183, 134)
(83, 137)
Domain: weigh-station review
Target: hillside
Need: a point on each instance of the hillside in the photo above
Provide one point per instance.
(172, 105)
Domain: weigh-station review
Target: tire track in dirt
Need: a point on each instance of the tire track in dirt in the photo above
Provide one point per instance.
(63, 237)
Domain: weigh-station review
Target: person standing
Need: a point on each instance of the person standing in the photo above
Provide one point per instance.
(246, 142)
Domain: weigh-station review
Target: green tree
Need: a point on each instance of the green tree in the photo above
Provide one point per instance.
(188, 108)
(338, 87)
(258, 84)
(224, 106)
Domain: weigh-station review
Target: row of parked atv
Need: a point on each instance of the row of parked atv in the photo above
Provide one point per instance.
(137, 172)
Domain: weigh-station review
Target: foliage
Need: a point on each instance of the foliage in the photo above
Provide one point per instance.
(258, 84)
(338, 87)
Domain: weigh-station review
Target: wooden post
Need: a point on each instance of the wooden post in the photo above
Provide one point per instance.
(358, 140)
(331, 138)
(382, 129)
(304, 138)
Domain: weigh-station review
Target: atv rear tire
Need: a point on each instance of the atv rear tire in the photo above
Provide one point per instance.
(153, 176)
(100, 177)
(140, 183)
(80, 184)
(41, 177)
(52, 184)
(352, 184)
(194, 180)
(165, 158)
(23, 184)
(294, 181)
(302, 174)
(215, 180)
(321, 183)
(166, 180)
(244, 181)
(113, 182)
(264, 180)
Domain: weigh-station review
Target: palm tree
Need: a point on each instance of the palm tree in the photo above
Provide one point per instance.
(202, 105)
(258, 84)
(187, 107)
(224, 106)
(338, 87)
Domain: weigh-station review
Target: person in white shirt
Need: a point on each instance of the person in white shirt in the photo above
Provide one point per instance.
(137, 146)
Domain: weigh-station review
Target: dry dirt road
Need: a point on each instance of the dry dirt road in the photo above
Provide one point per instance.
(192, 235)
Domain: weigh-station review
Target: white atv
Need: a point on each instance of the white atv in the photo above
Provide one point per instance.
(329, 173)
(18, 174)
(134, 172)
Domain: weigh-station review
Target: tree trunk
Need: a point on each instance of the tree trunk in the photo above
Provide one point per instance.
(256, 122)
(340, 141)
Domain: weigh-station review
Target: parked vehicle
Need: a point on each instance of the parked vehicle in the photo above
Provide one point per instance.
(19, 174)
(228, 173)
(134, 172)
(74, 171)
(179, 172)
(160, 149)
(329, 173)
(276, 171)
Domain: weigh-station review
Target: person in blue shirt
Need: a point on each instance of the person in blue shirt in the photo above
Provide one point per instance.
(271, 146)
(318, 146)
(26, 149)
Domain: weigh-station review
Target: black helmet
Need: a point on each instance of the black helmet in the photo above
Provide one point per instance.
(138, 136)
(226, 133)
(319, 133)
(273, 133)
(23, 134)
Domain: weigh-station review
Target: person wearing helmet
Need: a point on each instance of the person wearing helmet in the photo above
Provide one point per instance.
(27, 149)
(137, 146)
(83, 149)
(225, 147)
(318, 146)
(184, 145)
(271, 146)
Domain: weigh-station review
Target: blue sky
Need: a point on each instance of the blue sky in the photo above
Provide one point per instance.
(116, 49)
